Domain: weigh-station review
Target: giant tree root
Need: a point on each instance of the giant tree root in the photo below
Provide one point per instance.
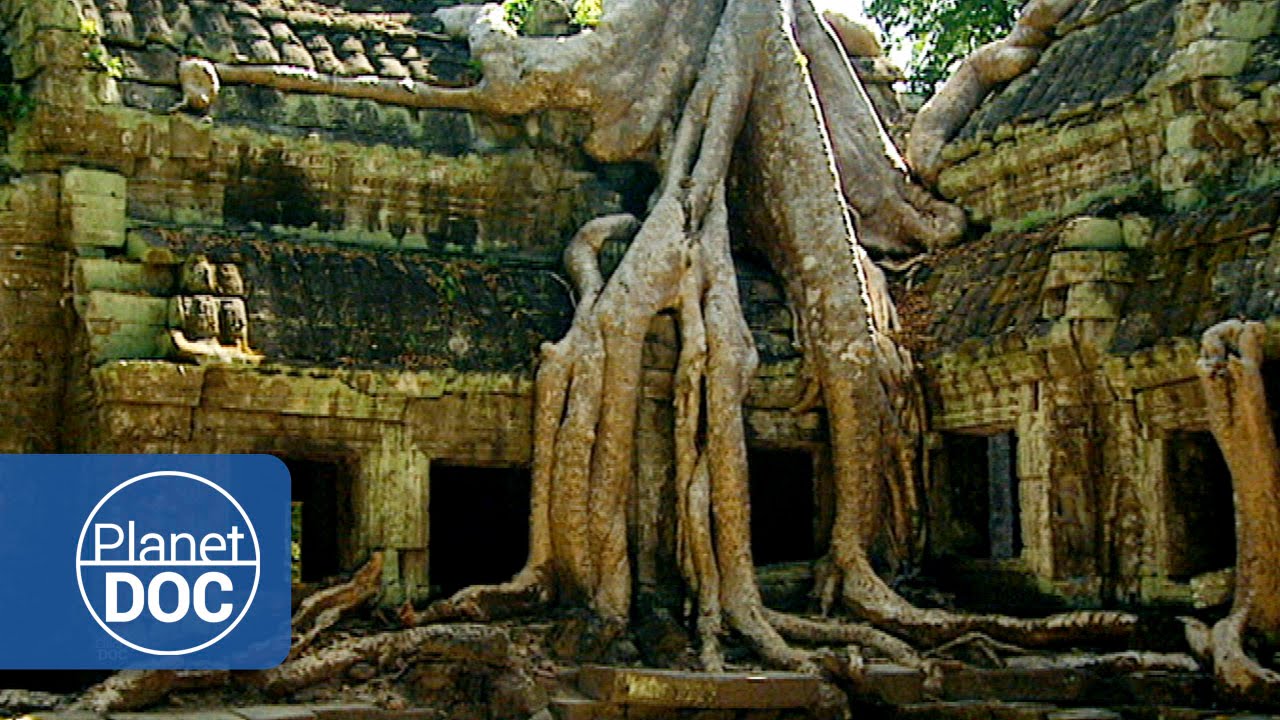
(470, 643)
(1231, 355)
(977, 74)
(588, 382)
(133, 689)
(322, 609)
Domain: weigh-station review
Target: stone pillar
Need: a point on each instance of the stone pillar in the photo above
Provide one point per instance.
(390, 496)
(1001, 496)
(34, 331)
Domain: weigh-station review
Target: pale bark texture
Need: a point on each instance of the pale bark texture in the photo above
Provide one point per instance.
(988, 66)
(1230, 368)
(776, 95)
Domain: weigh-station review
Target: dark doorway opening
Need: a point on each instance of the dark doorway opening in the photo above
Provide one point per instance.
(1202, 525)
(782, 506)
(981, 515)
(322, 517)
(479, 525)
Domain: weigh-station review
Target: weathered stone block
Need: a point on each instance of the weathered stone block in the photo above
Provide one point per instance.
(1241, 20)
(192, 715)
(152, 422)
(275, 712)
(1084, 714)
(124, 277)
(127, 341)
(1095, 301)
(96, 223)
(1021, 711)
(681, 689)
(124, 309)
(95, 203)
(1092, 233)
(189, 138)
(149, 382)
(1068, 267)
(1187, 133)
(1207, 58)
(252, 389)
(345, 711)
(892, 684)
(576, 707)
(1036, 685)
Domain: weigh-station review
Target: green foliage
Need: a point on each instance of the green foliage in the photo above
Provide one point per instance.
(95, 53)
(516, 12)
(942, 33)
(15, 105)
(587, 13)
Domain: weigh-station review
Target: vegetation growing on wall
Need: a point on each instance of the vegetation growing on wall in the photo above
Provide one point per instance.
(15, 106)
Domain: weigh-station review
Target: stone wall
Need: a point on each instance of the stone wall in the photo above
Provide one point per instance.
(1175, 100)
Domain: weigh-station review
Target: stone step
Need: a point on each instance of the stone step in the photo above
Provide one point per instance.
(1077, 687)
(568, 704)
(972, 710)
(680, 689)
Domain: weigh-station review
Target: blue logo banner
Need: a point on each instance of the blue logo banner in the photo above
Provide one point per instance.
(144, 561)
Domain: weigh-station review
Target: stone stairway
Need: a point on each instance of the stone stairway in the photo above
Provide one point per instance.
(890, 692)
(613, 693)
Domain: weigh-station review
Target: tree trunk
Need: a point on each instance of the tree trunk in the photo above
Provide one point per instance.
(1230, 369)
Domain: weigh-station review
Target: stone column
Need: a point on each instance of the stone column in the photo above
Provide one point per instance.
(390, 496)
(33, 333)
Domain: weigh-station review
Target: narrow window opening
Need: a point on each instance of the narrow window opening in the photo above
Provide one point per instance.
(322, 518)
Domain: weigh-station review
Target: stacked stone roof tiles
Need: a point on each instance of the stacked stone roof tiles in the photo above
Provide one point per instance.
(1197, 269)
(329, 38)
(986, 289)
(1106, 52)
(1203, 267)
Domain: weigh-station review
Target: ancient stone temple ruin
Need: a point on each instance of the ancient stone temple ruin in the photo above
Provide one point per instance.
(314, 259)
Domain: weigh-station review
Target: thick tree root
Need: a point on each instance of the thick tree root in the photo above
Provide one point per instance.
(893, 215)
(1231, 355)
(472, 643)
(319, 611)
(134, 689)
(525, 593)
(984, 69)
(866, 636)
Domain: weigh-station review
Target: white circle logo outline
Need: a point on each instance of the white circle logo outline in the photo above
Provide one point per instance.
(257, 561)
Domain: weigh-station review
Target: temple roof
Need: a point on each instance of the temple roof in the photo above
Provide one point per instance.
(1190, 270)
(1106, 51)
(402, 40)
